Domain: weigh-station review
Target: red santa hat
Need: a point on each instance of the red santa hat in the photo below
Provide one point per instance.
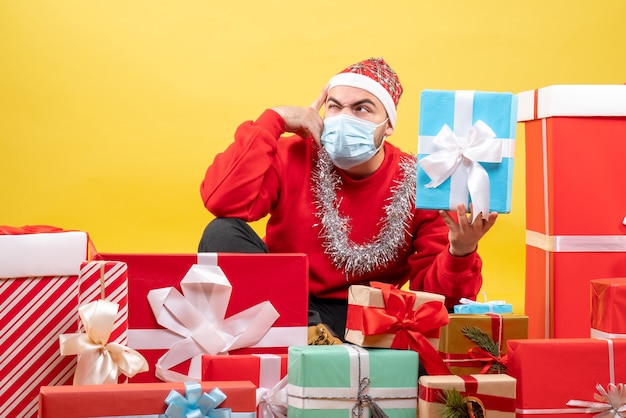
(375, 76)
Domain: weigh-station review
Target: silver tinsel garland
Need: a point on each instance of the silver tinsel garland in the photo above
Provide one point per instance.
(357, 259)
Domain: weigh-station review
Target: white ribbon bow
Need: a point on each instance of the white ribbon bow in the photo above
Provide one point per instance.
(273, 402)
(611, 403)
(466, 301)
(198, 319)
(100, 362)
(478, 146)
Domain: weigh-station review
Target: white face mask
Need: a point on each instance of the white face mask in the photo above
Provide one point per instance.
(349, 141)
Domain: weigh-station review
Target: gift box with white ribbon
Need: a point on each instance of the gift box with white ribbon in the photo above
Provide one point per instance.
(466, 149)
(567, 376)
(267, 371)
(37, 308)
(575, 201)
(185, 305)
(346, 380)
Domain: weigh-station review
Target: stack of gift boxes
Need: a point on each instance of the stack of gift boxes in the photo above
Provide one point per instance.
(226, 334)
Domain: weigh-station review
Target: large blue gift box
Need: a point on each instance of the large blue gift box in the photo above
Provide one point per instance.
(466, 150)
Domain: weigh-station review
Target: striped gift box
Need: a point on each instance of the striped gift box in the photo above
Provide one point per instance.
(36, 309)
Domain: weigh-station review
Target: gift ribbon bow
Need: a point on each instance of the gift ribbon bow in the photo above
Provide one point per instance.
(478, 146)
(273, 402)
(484, 356)
(610, 403)
(195, 403)
(465, 301)
(100, 362)
(408, 325)
(197, 317)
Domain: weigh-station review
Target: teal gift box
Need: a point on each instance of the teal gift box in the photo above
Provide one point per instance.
(466, 148)
(332, 381)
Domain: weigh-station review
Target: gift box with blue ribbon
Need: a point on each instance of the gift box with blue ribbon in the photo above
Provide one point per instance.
(466, 149)
(232, 399)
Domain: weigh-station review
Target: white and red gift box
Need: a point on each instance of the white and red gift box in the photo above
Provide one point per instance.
(174, 351)
(608, 307)
(574, 201)
(552, 372)
(266, 371)
(37, 308)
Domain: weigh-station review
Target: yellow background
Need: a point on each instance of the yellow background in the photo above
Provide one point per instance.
(111, 110)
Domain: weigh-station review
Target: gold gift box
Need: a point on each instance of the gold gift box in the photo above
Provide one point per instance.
(455, 346)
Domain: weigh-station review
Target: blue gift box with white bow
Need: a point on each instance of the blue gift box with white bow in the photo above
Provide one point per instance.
(466, 148)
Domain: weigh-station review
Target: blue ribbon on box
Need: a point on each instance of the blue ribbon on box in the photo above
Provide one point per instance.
(195, 403)
(468, 306)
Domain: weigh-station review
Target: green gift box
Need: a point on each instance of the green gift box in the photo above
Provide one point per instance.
(332, 381)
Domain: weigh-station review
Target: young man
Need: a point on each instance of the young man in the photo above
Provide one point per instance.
(339, 192)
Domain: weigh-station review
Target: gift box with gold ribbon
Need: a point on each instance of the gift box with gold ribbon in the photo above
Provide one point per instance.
(565, 376)
(234, 399)
(380, 315)
(347, 380)
(476, 343)
(491, 396)
(466, 149)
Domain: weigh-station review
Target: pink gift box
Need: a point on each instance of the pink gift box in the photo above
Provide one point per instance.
(281, 279)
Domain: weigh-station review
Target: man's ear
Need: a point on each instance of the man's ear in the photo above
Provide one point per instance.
(388, 129)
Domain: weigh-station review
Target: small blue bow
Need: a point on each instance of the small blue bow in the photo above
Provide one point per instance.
(195, 403)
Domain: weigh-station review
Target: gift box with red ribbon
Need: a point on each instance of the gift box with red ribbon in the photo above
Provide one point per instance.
(490, 396)
(476, 343)
(572, 152)
(40, 288)
(466, 149)
(185, 305)
(561, 376)
(234, 399)
(266, 371)
(381, 315)
(608, 308)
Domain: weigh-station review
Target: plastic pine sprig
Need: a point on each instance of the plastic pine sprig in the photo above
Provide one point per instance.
(483, 341)
(458, 406)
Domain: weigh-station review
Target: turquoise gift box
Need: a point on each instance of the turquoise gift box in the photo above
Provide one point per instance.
(466, 147)
(332, 381)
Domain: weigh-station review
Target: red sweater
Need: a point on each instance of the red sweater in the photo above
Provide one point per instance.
(258, 174)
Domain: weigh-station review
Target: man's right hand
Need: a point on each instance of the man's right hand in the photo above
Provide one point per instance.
(305, 121)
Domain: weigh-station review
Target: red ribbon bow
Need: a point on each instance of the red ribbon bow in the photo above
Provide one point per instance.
(489, 359)
(409, 326)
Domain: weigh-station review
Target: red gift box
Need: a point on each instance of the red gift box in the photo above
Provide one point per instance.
(281, 279)
(36, 309)
(264, 370)
(551, 372)
(573, 169)
(608, 308)
(134, 399)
